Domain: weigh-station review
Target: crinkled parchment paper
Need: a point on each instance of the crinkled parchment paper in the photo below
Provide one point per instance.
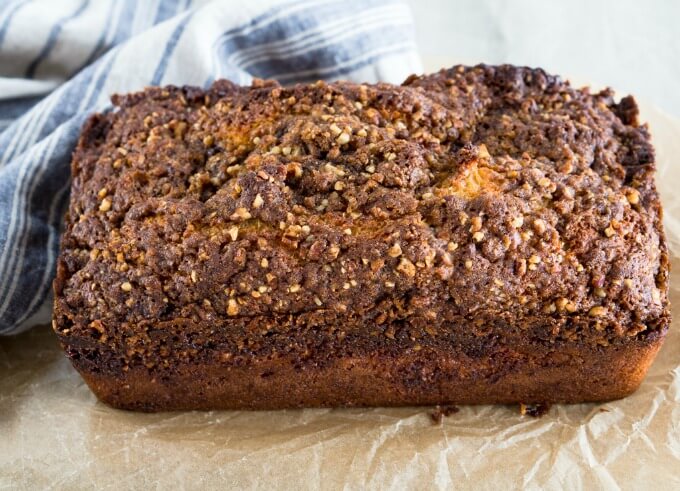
(54, 433)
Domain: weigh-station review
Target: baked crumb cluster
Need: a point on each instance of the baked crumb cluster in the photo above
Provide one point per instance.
(482, 199)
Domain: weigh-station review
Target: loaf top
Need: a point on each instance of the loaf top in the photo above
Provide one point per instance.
(474, 198)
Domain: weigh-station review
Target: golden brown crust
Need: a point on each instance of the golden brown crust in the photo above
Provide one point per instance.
(569, 375)
(464, 215)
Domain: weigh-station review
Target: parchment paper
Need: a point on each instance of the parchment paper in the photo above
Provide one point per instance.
(54, 433)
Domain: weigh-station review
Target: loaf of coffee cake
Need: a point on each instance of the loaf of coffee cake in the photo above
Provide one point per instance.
(484, 234)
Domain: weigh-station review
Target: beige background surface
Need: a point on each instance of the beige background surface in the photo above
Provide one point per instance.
(632, 45)
(55, 435)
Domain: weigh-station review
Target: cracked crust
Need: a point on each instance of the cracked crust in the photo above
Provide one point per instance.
(488, 214)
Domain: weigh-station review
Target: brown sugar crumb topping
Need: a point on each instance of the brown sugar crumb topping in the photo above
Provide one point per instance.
(474, 193)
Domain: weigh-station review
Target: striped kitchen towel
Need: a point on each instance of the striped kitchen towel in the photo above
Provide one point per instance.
(60, 60)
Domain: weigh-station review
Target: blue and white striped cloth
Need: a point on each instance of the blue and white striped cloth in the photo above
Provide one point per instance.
(60, 60)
